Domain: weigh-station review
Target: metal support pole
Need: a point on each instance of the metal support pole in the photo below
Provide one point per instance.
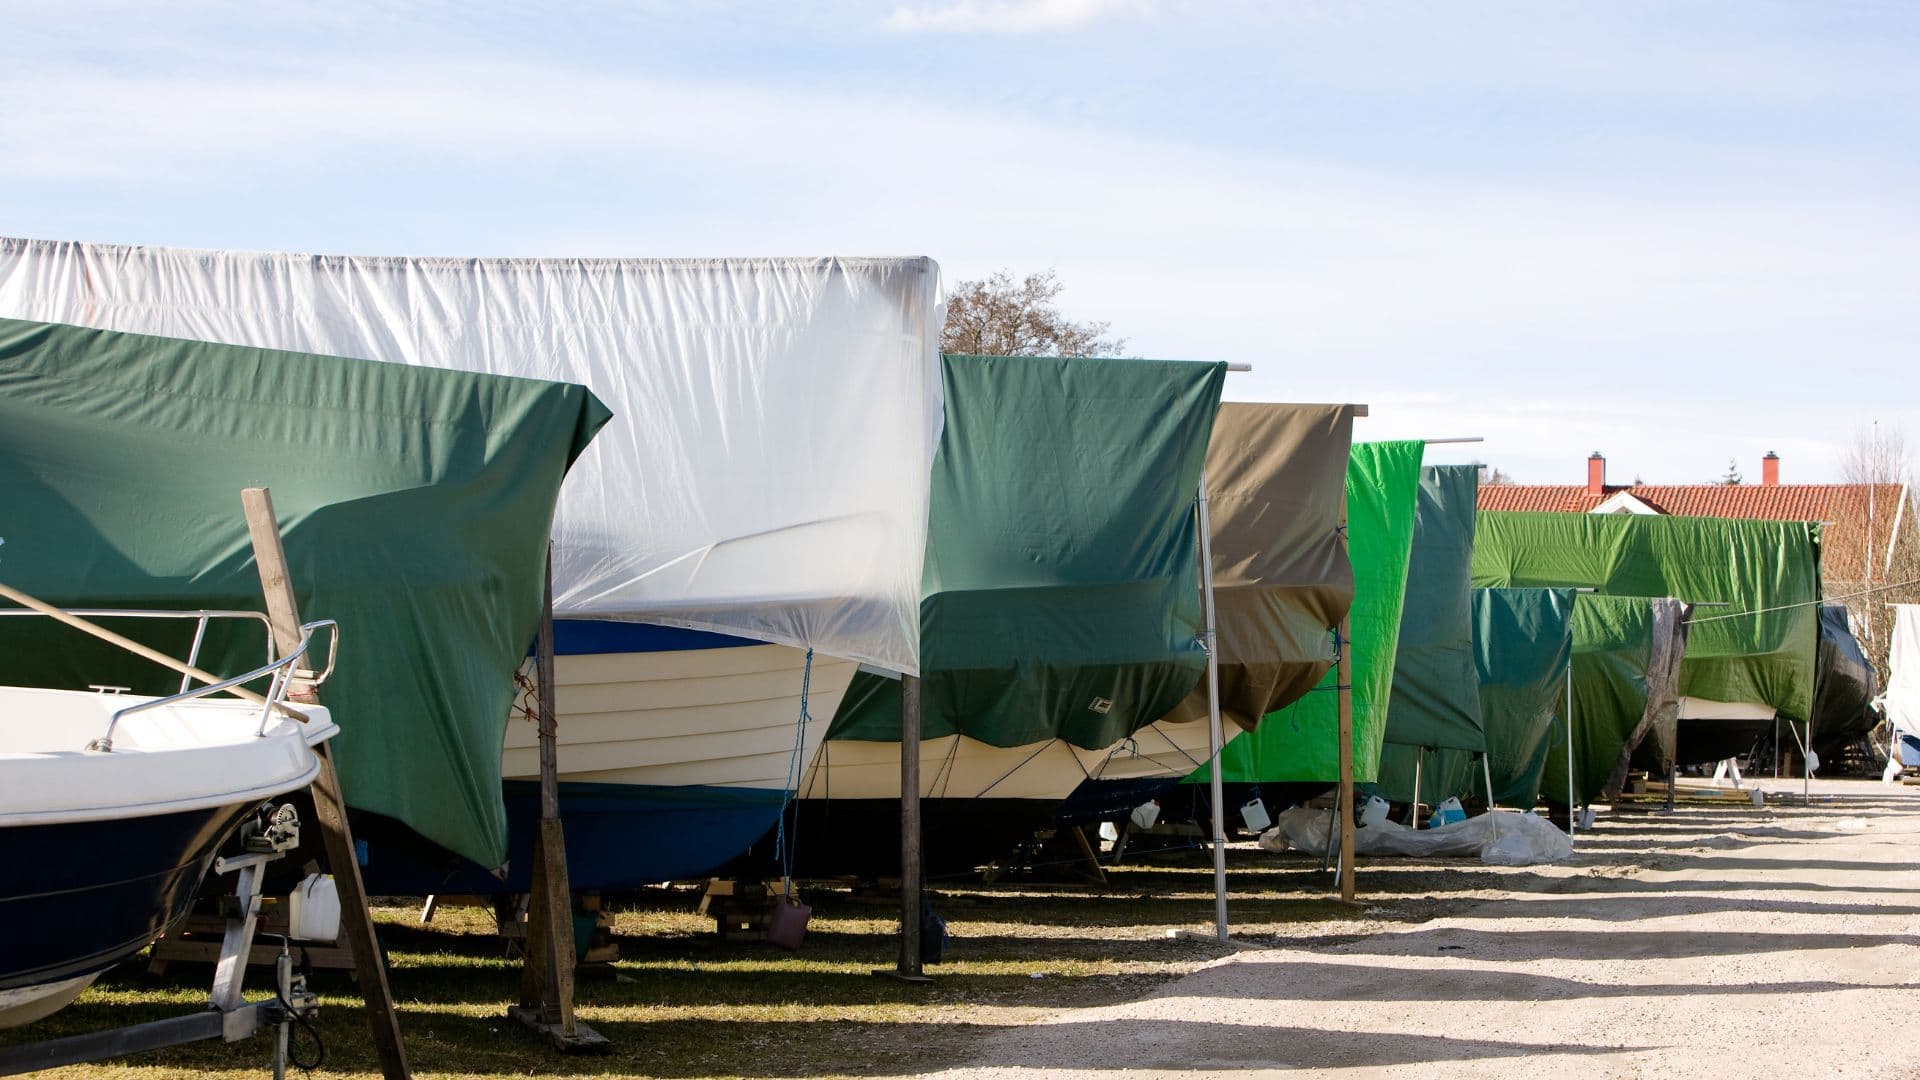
(1413, 812)
(1216, 738)
(908, 966)
(1486, 768)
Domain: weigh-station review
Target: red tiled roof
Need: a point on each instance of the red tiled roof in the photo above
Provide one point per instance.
(1842, 507)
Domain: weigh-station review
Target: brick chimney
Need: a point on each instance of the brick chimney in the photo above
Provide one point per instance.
(1596, 474)
(1770, 470)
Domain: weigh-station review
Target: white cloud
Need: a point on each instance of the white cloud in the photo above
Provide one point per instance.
(1009, 16)
(1670, 327)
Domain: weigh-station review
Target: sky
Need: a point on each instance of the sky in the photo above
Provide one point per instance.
(1680, 233)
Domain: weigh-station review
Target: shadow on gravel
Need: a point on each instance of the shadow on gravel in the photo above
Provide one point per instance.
(1307, 980)
(1214, 1046)
(1610, 944)
(1620, 907)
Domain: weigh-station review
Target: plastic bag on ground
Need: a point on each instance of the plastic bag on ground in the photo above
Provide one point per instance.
(1501, 839)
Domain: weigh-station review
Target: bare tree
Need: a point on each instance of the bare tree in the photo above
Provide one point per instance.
(1492, 475)
(998, 316)
(1890, 549)
(1731, 477)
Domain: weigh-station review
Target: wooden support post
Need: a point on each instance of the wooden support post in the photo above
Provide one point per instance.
(908, 966)
(1344, 809)
(546, 979)
(329, 802)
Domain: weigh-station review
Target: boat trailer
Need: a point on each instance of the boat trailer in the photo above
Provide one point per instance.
(268, 836)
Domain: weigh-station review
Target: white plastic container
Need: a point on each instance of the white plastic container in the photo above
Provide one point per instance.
(1373, 811)
(1254, 815)
(1145, 815)
(313, 909)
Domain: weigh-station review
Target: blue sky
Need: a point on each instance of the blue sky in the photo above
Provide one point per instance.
(1676, 232)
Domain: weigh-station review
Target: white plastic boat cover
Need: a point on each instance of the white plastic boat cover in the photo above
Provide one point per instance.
(766, 472)
(1902, 699)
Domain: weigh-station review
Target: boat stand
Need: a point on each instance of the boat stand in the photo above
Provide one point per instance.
(229, 1016)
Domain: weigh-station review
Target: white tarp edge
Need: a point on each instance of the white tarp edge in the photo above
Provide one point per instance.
(1902, 697)
(765, 474)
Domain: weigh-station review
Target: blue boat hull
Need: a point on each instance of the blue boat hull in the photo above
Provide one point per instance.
(77, 898)
(619, 836)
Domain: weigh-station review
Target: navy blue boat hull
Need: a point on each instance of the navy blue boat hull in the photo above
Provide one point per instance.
(79, 897)
(619, 836)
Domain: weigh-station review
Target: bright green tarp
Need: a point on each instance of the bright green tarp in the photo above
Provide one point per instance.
(1770, 569)
(1301, 741)
(415, 505)
(1061, 591)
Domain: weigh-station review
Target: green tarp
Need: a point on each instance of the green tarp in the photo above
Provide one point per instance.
(1061, 592)
(1613, 679)
(1759, 647)
(1301, 741)
(1522, 645)
(1435, 702)
(1276, 489)
(415, 505)
(1522, 650)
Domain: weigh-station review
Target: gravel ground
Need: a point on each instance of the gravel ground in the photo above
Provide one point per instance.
(1718, 939)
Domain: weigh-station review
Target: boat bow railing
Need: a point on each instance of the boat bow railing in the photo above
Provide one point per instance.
(282, 673)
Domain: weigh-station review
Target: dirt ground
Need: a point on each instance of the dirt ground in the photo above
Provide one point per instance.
(1713, 940)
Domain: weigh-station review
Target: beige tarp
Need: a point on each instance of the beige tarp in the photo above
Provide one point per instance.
(1276, 481)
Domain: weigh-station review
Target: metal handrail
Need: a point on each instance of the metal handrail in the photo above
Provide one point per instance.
(281, 671)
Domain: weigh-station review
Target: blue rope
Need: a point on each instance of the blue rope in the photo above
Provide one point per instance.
(782, 851)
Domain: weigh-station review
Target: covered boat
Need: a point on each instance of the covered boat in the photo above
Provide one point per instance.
(765, 481)
(414, 503)
(113, 805)
(1845, 685)
(1627, 652)
(1060, 614)
(1433, 710)
(1902, 699)
(1522, 657)
(1751, 650)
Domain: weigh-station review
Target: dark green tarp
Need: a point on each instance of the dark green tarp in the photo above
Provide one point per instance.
(415, 505)
(1522, 645)
(1522, 648)
(1301, 741)
(1061, 593)
(1276, 489)
(1435, 702)
(1767, 573)
(1845, 686)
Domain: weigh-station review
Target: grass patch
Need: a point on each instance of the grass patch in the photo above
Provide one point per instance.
(681, 1003)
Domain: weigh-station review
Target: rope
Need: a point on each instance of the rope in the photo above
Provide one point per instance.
(1807, 603)
(782, 849)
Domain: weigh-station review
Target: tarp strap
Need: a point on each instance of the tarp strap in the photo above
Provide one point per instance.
(783, 849)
